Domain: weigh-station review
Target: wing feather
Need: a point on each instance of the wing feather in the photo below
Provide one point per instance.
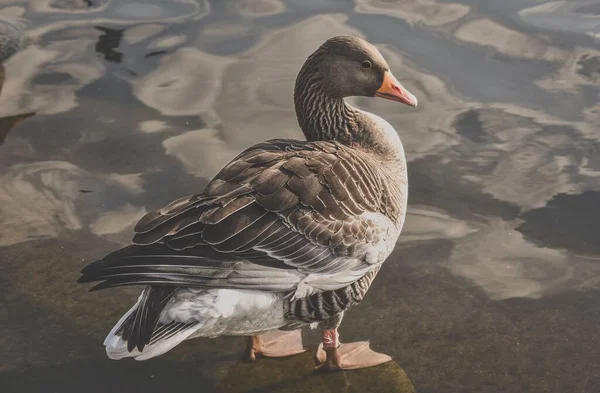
(279, 212)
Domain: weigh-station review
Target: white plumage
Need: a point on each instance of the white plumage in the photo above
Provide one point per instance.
(208, 313)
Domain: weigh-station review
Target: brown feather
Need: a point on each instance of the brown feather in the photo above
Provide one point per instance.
(299, 201)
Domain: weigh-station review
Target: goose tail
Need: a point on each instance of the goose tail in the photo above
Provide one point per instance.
(138, 334)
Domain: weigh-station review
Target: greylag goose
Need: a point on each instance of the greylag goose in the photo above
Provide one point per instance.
(290, 233)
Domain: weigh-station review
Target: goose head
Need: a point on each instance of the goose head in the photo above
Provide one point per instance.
(351, 66)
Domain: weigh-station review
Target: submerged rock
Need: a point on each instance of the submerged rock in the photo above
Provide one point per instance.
(296, 374)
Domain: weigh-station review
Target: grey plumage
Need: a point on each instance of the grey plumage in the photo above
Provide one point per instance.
(322, 306)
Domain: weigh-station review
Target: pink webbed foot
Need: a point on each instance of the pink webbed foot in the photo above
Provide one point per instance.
(276, 344)
(349, 356)
(332, 356)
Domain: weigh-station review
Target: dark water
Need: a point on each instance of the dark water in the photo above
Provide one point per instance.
(113, 108)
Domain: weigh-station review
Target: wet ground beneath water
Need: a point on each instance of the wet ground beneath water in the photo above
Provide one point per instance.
(113, 108)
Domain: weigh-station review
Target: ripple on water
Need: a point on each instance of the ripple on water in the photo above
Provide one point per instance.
(137, 10)
(69, 5)
(42, 199)
(588, 66)
(508, 41)
(257, 8)
(186, 82)
(427, 12)
(517, 159)
(574, 16)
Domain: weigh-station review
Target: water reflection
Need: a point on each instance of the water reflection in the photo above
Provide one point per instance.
(256, 8)
(581, 17)
(42, 199)
(9, 122)
(588, 66)
(427, 12)
(509, 42)
(566, 222)
(108, 42)
(137, 103)
(185, 83)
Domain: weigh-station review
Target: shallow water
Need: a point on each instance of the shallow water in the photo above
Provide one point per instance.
(113, 108)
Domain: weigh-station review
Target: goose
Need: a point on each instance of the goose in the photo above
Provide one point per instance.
(290, 233)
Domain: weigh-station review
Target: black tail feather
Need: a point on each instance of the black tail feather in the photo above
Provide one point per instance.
(137, 329)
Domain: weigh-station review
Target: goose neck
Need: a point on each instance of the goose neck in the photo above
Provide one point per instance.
(321, 116)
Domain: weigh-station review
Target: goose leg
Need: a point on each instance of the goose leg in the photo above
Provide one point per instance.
(275, 344)
(332, 355)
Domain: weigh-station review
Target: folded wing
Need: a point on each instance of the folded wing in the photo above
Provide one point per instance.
(281, 212)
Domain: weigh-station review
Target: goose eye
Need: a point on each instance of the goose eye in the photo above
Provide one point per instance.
(366, 64)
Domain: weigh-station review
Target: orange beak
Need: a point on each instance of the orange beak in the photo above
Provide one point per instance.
(391, 89)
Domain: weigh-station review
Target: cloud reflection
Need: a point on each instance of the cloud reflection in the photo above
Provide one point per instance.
(427, 223)
(139, 33)
(507, 41)
(427, 12)
(526, 162)
(185, 83)
(201, 152)
(21, 94)
(117, 225)
(42, 199)
(572, 16)
(257, 8)
(505, 265)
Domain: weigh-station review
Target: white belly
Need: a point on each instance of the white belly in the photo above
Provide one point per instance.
(226, 312)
